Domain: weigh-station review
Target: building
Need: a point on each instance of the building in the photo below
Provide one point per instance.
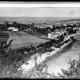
(77, 29)
(12, 29)
(68, 28)
(64, 25)
(59, 31)
(49, 26)
(55, 34)
(64, 31)
(52, 35)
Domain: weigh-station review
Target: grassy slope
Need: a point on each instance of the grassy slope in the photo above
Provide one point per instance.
(21, 39)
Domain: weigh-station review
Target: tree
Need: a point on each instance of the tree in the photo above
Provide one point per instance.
(4, 46)
(35, 59)
(15, 24)
(33, 24)
(6, 24)
(73, 71)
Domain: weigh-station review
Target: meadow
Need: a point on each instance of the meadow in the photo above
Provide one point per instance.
(21, 39)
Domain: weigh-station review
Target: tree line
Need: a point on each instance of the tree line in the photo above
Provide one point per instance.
(36, 30)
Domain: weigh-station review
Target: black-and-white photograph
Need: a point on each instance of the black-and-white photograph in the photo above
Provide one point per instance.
(40, 40)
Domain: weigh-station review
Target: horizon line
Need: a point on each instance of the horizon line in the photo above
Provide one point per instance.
(42, 16)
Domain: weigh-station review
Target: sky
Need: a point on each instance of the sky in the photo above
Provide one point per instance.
(50, 11)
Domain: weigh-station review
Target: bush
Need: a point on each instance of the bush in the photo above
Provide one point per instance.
(73, 71)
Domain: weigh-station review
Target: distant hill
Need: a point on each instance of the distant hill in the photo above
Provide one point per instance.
(26, 20)
(69, 21)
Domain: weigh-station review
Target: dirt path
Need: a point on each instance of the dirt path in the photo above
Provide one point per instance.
(61, 59)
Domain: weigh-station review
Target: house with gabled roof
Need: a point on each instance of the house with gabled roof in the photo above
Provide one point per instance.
(54, 34)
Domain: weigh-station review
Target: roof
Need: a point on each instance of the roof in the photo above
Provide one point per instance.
(12, 28)
(64, 24)
(57, 30)
(54, 33)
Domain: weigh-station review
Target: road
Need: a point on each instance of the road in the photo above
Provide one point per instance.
(60, 60)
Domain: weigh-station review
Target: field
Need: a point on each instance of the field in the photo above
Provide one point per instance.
(21, 39)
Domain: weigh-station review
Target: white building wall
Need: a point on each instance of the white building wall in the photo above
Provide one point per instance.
(13, 28)
(49, 35)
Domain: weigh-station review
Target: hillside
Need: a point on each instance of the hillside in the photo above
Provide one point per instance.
(26, 20)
